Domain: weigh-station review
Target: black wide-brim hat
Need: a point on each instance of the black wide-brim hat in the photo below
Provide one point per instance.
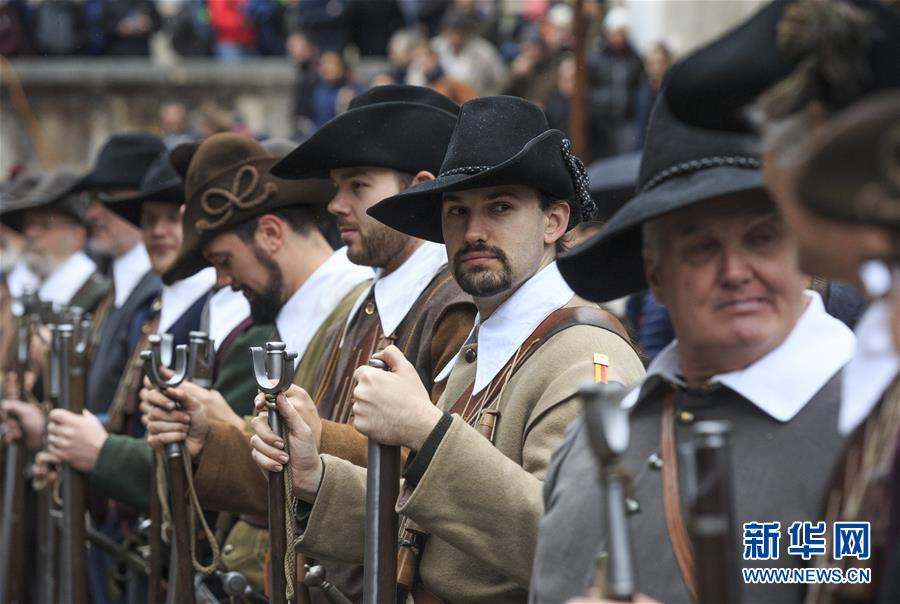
(51, 190)
(613, 182)
(122, 162)
(404, 128)
(227, 182)
(681, 167)
(712, 87)
(161, 183)
(497, 140)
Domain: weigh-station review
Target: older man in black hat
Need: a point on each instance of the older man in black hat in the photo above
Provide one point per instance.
(784, 72)
(507, 192)
(55, 226)
(119, 168)
(752, 348)
(804, 65)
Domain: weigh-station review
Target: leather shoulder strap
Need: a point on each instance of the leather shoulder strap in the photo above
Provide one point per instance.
(557, 321)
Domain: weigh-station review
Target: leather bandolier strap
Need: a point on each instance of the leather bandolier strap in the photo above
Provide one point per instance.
(475, 413)
(678, 535)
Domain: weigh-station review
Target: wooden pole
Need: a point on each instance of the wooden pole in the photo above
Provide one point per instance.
(578, 133)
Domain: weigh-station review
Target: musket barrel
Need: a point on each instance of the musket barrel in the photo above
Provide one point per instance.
(277, 522)
(48, 516)
(72, 554)
(712, 516)
(382, 523)
(11, 525)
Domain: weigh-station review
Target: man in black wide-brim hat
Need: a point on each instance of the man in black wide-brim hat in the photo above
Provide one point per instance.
(704, 235)
(820, 79)
(507, 192)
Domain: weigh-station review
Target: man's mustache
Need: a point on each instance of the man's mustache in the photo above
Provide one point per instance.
(480, 247)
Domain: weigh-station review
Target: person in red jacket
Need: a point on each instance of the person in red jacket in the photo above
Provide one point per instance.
(235, 38)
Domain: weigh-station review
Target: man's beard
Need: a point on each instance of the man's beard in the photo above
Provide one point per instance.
(380, 245)
(265, 305)
(41, 265)
(482, 282)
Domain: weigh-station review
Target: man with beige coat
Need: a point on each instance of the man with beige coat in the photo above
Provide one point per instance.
(508, 190)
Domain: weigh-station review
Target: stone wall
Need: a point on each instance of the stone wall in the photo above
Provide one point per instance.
(77, 103)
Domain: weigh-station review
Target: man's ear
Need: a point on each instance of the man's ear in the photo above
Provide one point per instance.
(557, 216)
(423, 176)
(270, 232)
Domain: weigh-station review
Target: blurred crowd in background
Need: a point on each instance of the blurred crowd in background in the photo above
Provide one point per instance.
(462, 48)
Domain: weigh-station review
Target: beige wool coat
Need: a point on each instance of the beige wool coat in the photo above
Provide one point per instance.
(480, 502)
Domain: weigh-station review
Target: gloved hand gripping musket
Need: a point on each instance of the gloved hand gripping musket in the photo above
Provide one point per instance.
(275, 365)
(181, 583)
(608, 431)
(711, 524)
(72, 552)
(382, 489)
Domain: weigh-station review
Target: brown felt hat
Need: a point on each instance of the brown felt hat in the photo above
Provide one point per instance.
(851, 169)
(227, 182)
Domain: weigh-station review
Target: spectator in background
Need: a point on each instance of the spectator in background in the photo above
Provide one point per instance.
(400, 52)
(469, 57)
(656, 64)
(129, 25)
(558, 104)
(533, 73)
(558, 29)
(423, 14)
(235, 38)
(304, 52)
(13, 28)
(333, 89)
(213, 119)
(266, 18)
(425, 61)
(174, 124)
(616, 72)
(372, 22)
(190, 30)
(328, 21)
(382, 79)
(483, 18)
